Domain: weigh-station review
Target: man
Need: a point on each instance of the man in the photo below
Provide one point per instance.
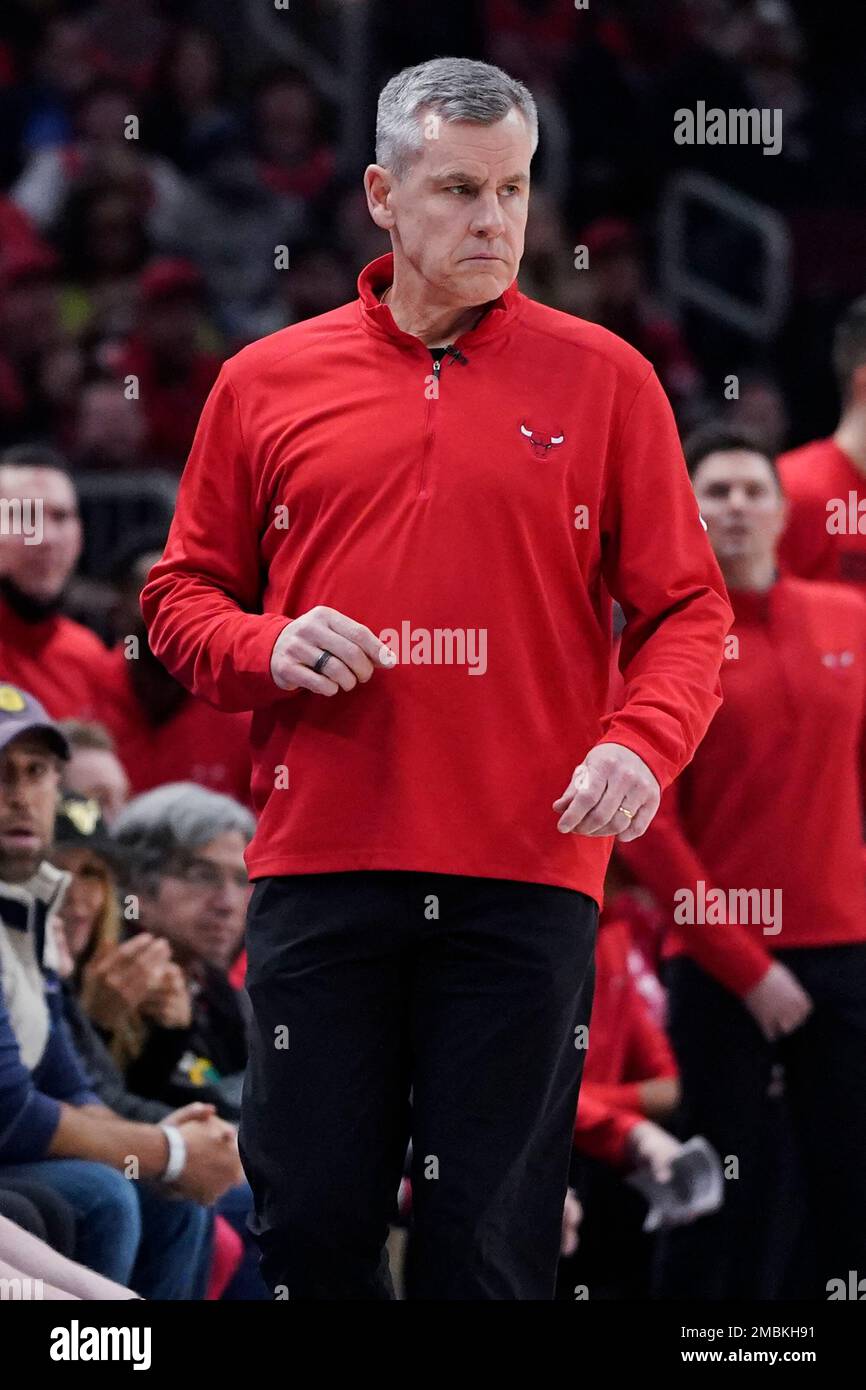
(94, 769)
(825, 481)
(184, 849)
(53, 1128)
(48, 654)
(756, 858)
(394, 541)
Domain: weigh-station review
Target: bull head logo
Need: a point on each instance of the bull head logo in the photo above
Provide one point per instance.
(541, 443)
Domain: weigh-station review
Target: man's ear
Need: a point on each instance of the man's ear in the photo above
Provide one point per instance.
(378, 183)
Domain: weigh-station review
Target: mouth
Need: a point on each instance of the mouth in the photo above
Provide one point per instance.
(20, 836)
(482, 258)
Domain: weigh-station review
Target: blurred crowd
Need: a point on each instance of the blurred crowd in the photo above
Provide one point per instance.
(157, 159)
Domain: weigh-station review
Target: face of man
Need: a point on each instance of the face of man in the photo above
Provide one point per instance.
(29, 781)
(458, 216)
(41, 570)
(98, 773)
(200, 904)
(742, 505)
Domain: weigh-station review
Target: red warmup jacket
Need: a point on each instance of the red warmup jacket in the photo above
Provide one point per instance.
(197, 743)
(812, 476)
(772, 798)
(626, 1045)
(497, 502)
(626, 1048)
(56, 660)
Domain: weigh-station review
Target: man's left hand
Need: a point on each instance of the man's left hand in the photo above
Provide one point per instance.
(609, 778)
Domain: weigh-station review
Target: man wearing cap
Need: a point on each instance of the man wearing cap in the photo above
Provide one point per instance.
(396, 539)
(53, 1127)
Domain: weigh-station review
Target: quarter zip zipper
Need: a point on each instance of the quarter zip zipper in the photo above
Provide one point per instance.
(429, 433)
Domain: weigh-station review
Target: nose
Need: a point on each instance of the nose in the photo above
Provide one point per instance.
(487, 219)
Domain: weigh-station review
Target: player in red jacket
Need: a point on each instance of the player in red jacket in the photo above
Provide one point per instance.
(395, 540)
(825, 481)
(756, 858)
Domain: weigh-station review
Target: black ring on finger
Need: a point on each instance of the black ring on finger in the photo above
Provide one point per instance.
(323, 660)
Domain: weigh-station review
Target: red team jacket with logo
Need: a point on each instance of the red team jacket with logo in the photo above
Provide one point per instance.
(773, 797)
(503, 499)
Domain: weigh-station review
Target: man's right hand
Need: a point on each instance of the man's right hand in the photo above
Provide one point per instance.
(357, 652)
(778, 1003)
(212, 1162)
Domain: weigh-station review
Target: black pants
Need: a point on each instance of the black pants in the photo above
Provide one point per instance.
(466, 992)
(793, 1114)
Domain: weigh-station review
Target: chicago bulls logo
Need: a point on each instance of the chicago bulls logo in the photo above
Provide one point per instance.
(539, 442)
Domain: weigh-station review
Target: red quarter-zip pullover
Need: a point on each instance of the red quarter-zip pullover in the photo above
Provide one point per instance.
(772, 799)
(825, 537)
(480, 515)
(196, 743)
(57, 660)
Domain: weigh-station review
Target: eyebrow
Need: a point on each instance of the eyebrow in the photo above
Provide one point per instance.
(460, 176)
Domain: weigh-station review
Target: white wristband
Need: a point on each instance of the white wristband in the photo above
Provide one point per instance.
(176, 1153)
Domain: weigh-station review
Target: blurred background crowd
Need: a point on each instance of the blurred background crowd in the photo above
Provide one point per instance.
(180, 177)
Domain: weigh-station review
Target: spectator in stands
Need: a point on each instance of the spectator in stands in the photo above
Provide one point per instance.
(94, 770)
(54, 1128)
(760, 410)
(228, 206)
(101, 151)
(55, 658)
(115, 980)
(173, 372)
(187, 108)
(110, 429)
(29, 332)
(163, 733)
(125, 44)
(184, 862)
(289, 130)
(319, 279)
(612, 290)
(112, 988)
(756, 857)
(104, 244)
(825, 481)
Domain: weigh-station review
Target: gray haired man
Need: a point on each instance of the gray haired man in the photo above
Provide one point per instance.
(444, 458)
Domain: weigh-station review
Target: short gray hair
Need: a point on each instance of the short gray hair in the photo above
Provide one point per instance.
(455, 89)
(172, 821)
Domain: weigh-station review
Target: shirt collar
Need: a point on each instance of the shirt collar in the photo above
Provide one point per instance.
(23, 905)
(754, 605)
(378, 320)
